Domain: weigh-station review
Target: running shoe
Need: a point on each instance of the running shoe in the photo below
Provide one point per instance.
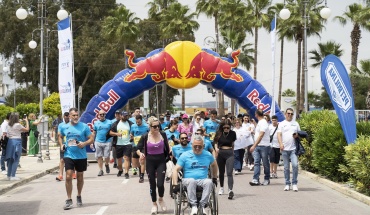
(101, 173)
(221, 191)
(266, 182)
(194, 210)
(127, 176)
(68, 204)
(163, 205)
(59, 178)
(4, 172)
(141, 180)
(286, 188)
(236, 172)
(254, 182)
(119, 173)
(231, 194)
(251, 168)
(295, 188)
(107, 170)
(79, 201)
(134, 171)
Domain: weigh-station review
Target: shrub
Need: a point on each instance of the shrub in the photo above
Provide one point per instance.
(363, 128)
(27, 109)
(357, 159)
(311, 123)
(4, 110)
(328, 151)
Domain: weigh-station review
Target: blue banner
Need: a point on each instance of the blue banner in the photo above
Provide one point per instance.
(336, 81)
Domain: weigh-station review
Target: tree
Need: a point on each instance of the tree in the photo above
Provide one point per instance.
(260, 19)
(27, 109)
(4, 110)
(289, 93)
(330, 47)
(24, 95)
(52, 106)
(359, 17)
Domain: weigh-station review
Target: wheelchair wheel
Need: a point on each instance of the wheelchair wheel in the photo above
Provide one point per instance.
(213, 202)
(178, 200)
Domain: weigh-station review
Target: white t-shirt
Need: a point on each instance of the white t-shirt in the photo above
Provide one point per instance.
(263, 126)
(275, 142)
(14, 131)
(287, 129)
(242, 135)
(3, 127)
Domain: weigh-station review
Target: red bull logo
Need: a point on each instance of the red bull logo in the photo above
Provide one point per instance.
(211, 65)
(160, 67)
(253, 97)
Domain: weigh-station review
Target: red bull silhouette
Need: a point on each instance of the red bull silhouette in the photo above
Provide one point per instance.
(206, 66)
(160, 66)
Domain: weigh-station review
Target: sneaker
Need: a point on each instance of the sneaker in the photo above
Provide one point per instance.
(59, 178)
(14, 179)
(236, 172)
(101, 173)
(4, 172)
(221, 191)
(107, 170)
(275, 175)
(79, 201)
(231, 194)
(74, 176)
(266, 182)
(204, 211)
(286, 188)
(194, 210)
(254, 182)
(134, 171)
(68, 204)
(163, 205)
(141, 180)
(115, 165)
(127, 176)
(154, 210)
(119, 173)
(295, 188)
(251, 168)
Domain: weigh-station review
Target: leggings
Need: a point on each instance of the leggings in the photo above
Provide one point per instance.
(225, 158)
(156, 164)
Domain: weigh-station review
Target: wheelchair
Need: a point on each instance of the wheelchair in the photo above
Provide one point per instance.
(181, 201)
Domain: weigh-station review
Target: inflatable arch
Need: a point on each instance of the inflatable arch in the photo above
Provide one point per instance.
(182, 65)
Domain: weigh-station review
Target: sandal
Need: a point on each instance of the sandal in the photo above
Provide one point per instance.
(163, 205)
(154, 210)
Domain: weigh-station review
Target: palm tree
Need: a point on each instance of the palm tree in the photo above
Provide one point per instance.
(180, 25)
(359, 17)
(122, 29)
(260, 19)
(330, 47)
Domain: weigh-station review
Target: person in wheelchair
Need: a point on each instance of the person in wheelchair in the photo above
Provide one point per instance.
(194, 165)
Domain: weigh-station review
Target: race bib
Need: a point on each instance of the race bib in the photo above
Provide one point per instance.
(72, 142)
(136, 139)
(124, 133)
(171, 143)
(212, 136)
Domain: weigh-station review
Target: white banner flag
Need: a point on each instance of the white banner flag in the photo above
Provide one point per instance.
(66, 77)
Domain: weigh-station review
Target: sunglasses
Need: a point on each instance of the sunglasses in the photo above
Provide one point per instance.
(183, 138)
(290, 114)
(198, 118)
(226, 127)
(155, 126)
(197, 147)
(102, 114)
(198, 134)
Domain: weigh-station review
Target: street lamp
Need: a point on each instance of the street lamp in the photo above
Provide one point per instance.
(22, 14)
(325, 14)
(7, 69)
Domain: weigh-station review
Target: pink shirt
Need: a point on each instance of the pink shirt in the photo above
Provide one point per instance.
(188, 130)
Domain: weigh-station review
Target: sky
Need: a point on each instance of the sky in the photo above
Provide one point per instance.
(334, 31)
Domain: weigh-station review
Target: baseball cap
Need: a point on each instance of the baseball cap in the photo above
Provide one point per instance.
(185, 116)
(117, 111)
(124, 113)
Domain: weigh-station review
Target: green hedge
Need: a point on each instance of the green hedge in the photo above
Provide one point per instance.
(357, 164)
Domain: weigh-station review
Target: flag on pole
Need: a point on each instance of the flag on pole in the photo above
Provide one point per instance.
(273, 42)
(65, 75)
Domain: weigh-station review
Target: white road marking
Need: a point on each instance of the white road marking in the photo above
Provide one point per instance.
(100, 211)
(125, 181)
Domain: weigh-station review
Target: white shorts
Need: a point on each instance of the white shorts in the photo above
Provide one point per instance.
(102, 149)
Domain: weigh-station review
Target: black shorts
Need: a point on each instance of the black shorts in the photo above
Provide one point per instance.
(134, 154)
(80, 165)
(275, 155)
(125, 150)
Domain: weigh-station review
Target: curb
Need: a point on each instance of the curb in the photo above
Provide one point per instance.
(28, 179)
(338, 187)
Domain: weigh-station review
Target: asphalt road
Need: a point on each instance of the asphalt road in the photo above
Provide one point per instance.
(112, 195)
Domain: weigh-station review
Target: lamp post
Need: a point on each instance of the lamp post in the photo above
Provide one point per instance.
(22, 14)
(325, 14)
(7, 69)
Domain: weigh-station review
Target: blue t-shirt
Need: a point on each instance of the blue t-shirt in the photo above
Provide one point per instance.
(165, 125)
(101, 129)
(195, 166)
(178, 149)
(211, 129)
(207, 145)
(169, 134)
(73, 133)
(137, 131)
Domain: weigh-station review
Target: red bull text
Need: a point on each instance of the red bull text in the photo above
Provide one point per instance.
(253, 97)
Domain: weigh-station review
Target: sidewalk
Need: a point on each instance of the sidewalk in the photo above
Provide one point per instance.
(31, 169)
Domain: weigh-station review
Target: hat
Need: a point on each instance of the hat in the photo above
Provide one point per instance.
(124, 113)
(117, 111)
(185, 116)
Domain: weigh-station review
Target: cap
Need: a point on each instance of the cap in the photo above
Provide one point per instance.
(185, 116)
(117, 111)
(124, 113)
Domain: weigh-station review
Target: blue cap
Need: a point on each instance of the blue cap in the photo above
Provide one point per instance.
(124, 113)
